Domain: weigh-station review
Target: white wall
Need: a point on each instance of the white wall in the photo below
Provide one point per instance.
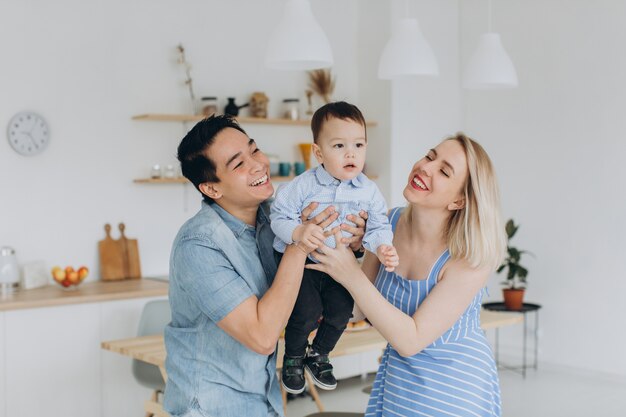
(425, 109)
(87, 67)
(558, 145)
(375, 94)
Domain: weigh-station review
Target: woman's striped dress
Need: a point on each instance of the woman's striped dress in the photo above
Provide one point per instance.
(455, 376)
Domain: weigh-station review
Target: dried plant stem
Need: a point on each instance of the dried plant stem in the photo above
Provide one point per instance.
(309, 96)
(188, 81)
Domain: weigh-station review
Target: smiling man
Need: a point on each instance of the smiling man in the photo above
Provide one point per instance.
(229, 300)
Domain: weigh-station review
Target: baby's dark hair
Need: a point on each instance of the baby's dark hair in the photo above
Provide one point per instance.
(337, 110)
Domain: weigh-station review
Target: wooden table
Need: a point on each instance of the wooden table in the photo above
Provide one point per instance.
(151, 349)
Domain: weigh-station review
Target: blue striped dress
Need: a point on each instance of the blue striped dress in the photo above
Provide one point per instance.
(456, 375)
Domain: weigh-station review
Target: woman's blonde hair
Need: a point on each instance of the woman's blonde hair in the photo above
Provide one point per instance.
(476, 232)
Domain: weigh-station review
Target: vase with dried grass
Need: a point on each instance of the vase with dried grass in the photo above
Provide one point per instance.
(322, 83)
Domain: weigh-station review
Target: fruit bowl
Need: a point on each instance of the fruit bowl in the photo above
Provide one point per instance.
(68, 278)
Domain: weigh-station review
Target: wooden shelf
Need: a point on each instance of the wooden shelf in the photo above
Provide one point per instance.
(183, 180)
(179, 180)
(197, 118)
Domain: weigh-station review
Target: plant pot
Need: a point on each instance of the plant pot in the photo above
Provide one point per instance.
(513, 298)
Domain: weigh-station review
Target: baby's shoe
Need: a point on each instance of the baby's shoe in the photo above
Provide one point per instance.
(320, 370)
(292, 375)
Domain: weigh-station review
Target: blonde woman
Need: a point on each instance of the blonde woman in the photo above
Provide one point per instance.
(449, 239)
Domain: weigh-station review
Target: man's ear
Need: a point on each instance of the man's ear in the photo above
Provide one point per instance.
(210, 189)
(457, 204)
(318, 153)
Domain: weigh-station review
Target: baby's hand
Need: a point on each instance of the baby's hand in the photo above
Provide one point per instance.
(388, 256)
(309, 234)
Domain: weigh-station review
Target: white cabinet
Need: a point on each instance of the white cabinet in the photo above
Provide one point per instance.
(3, 374)
(51, 363)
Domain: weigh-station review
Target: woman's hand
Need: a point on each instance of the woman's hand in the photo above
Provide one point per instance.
(339, 262)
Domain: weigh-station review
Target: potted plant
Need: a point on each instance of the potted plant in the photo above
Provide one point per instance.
(515, 281)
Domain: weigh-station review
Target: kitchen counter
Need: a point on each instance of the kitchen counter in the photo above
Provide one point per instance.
(87, 292)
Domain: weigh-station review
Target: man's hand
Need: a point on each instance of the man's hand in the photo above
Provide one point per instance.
(322, 220)
(355, 242)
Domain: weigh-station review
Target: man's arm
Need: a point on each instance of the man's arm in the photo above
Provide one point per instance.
(258, 323)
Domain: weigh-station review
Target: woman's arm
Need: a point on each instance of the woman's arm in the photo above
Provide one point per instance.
(408, 335)
(370, 266)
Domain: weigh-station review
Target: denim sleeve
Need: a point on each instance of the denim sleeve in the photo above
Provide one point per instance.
(377, 229)
(287, 208)
(209, 279)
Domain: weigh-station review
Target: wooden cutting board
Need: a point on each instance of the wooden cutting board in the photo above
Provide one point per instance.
(119, 258)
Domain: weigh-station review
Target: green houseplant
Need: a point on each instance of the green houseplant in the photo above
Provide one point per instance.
(515, 280)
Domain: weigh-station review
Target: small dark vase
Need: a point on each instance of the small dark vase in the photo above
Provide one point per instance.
(232, 108)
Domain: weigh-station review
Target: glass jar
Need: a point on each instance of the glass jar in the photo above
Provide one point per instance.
(9, 270)
(291, 108)
(209, 106)
(169, 172)
(155, 172)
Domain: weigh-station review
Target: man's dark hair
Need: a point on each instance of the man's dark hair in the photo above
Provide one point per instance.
(337, 110)
(196, 166)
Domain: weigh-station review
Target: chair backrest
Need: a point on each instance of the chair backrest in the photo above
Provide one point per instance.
(154, 317)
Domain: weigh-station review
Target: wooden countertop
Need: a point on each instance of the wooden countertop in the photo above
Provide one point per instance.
(87, 292)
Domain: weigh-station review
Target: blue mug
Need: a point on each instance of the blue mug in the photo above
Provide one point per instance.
(284, 168)
(299, 168)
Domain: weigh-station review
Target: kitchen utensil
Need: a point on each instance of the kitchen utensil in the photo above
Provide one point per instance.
(119, 258)
(232, 108)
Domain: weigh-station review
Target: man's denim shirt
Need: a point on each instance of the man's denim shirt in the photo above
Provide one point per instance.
(217, 262)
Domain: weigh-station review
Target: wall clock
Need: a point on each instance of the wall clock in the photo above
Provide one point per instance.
(28, 133)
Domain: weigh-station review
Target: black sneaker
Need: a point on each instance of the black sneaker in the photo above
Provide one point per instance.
(321, 371)
(293, 374)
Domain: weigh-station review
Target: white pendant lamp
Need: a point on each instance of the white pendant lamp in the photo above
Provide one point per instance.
(490, 66)
(407, 52)
(298, 42)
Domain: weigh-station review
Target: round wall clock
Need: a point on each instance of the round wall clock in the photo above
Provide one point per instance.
(28, 133)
